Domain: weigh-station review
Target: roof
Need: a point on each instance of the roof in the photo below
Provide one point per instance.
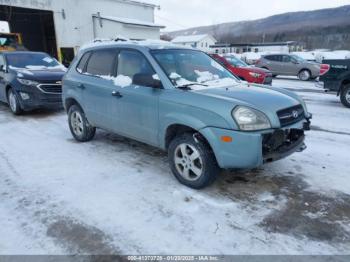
(130, 21)
(138, 3)
(190, 38)
(151, 44)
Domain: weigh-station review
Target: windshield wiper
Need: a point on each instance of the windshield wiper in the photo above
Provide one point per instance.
(187, 86)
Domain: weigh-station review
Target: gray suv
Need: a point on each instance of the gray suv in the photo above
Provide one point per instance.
(285, 64)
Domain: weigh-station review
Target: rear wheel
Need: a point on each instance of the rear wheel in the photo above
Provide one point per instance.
(192, 161)
(79, 126)
(345, 96)
(304, 75)
(13, 101)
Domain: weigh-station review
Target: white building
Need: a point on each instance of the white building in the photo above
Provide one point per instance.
(276, 47)
(60, 27)
(202, 42)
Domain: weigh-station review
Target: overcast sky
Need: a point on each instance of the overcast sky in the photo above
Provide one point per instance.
(182, 14)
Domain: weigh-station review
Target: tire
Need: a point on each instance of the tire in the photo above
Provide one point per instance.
(196, 173)
(345, 96)
(304, 75)
(13, 102)
(79, 126)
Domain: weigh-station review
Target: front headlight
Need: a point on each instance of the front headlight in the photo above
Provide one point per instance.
(250, 119)
(27, 82)
(255, 75)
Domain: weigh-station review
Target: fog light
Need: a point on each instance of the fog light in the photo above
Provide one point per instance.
(24, 96)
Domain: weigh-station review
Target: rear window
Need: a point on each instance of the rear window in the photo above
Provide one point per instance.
(101, 62)
(273, 58)
(82, 63)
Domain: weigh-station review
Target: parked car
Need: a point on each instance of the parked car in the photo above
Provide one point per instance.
(245, 72)
(293, 65)
(337, 79)
(184, 102)
(30, 80)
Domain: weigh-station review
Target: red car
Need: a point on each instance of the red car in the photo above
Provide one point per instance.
(242, 70)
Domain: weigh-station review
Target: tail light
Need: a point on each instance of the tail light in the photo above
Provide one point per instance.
(324, 69)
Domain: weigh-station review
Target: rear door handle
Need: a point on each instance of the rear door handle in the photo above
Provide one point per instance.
(117, 94)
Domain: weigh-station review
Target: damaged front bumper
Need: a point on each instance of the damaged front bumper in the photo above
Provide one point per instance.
(253, 149)
(282, 143)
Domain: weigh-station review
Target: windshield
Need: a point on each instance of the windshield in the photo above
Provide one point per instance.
(190, 67)
(235, 61)
(8, 40)
(298, 58)
(32, 61)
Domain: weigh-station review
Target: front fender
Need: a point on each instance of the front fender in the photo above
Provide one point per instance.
(190, 120)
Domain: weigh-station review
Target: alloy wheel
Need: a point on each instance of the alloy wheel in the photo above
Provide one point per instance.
(188, 162)
(77, 123)
(12, 101)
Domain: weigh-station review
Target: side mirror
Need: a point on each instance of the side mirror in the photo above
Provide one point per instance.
(2, 68)
(147, 80)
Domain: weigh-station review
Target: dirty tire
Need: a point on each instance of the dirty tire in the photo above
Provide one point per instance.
(189, 163)
(79, 126)
(13, 102)
(345, 96)
(304, 75)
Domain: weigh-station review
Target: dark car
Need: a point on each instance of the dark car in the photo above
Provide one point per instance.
(244, 71)
(30, 80)
(337, 79)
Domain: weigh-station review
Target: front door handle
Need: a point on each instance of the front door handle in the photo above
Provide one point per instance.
(81, 86)
(117, 94)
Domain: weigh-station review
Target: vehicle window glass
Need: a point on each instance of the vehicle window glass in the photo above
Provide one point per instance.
(286, 59)
(82, 63)
(189, 67)
(32, 61)
(235, 61)
(101, 62)
(271, 58)
(131, 63)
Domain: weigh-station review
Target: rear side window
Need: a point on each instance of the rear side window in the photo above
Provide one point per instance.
(276, 58)
(82, 63)
(101, 62)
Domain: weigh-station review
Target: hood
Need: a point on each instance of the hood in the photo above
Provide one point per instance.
(266, 100)
(255, 70)
(55, 74)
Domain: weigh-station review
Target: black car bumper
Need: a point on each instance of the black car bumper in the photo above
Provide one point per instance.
(268, 80)
(283, 143)
(35, 97)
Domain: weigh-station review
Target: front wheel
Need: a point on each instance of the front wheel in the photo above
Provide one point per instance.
(192, 161)
(304, 75)
(79, 126)
(345, 96)
(13, 101)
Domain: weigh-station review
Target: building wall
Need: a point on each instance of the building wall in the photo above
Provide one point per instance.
(205, 44)
(74, 26)
(111, 29)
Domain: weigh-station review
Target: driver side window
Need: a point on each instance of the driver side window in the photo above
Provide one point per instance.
(131, 63)
(286, 59)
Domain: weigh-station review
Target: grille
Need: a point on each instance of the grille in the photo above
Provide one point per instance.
(291, 115)
(51, 88)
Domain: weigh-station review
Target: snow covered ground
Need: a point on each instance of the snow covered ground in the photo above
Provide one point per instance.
(117, 196)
